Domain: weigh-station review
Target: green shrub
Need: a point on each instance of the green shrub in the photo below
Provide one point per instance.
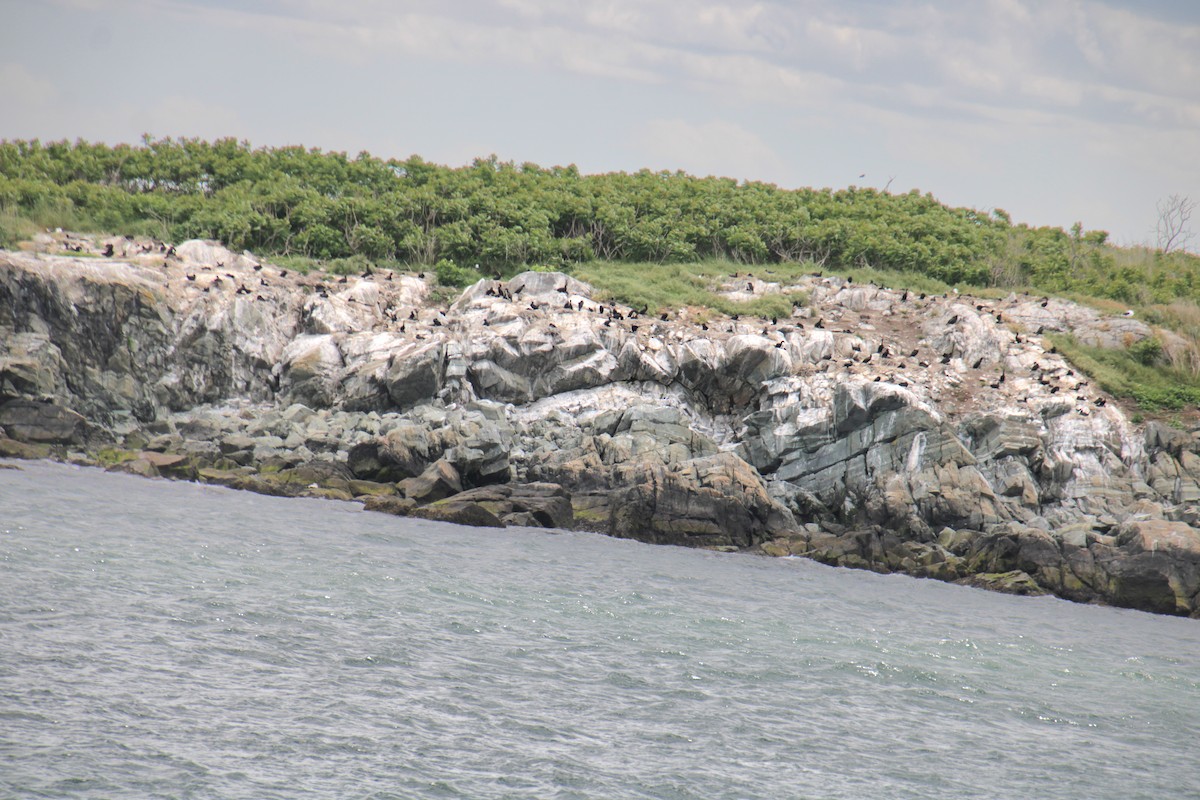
(1148, 351)
(450, 274)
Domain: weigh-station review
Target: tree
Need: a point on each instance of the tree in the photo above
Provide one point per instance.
(1173, 229)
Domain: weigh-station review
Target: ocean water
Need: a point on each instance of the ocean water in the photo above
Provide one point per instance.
(164, 639)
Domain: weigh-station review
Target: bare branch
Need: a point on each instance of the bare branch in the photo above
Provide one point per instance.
(1174, 215)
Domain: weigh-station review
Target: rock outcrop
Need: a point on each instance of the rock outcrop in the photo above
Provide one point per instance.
(937, 436)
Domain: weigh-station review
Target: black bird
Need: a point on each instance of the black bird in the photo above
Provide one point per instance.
(412, 314)
(663, 317)
(1040, 329)
(486, 323)
(952, 320)
(1045, 302)
(344, 279)
(568, 307)
(904, 297)
(849, 279)
(921, 296)
(946, 358)
(437, 323)
(820, 324)
(703, 327)
(913, 354)
(1100, 401)
(190, 277)
(977, 363)
(257, 267)
(633, 328)
(779, 344)
(108, 250)
(283, 273)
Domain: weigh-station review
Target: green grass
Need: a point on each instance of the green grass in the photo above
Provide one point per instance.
(1120, 373)
(894, 279)
(668, 287)
(15, 227)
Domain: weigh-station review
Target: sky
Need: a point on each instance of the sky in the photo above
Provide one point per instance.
(1056, 111)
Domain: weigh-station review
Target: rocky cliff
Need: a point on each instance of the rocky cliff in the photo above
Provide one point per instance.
(937, 436)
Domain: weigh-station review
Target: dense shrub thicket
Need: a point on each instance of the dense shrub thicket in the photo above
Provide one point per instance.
(505, 216)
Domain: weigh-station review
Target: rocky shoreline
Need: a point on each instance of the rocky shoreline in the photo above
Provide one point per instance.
(936, 436)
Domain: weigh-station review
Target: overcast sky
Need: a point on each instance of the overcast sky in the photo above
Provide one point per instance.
(1055, 110)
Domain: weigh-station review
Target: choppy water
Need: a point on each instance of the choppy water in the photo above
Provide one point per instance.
(171, 640)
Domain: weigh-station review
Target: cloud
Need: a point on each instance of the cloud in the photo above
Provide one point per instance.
(716, 147)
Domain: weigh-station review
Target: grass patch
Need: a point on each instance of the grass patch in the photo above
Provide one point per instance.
(1123, 373)
(667, 287)
(899, 281)
(15, 227)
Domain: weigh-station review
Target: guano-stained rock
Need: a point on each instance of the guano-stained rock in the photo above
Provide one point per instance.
(936, 436)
